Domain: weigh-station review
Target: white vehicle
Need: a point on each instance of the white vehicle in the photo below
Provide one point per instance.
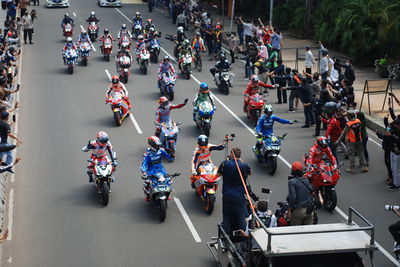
(57, 3)
(114, 3)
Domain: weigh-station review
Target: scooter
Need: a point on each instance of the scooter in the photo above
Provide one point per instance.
(159, 191)
(103, 176)
(124, 68)
(269, 151)
(203, 116)
(223, 81)
(93, 31)
(107, 48)
(169, 136)
(254, 107)
(143, 60)
(116, 100)
(71, 57)
(84, 51)
(166, 85)
(206, 185)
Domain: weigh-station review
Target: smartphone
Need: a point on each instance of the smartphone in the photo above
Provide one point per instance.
(237, 233)
(265, 190)
(14, 117)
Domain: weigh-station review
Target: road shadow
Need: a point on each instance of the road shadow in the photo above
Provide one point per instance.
(153, 95)
(193, 202)
(139, 211)
(190, 130)
(104, 122)
(60, 71)
(84, 196)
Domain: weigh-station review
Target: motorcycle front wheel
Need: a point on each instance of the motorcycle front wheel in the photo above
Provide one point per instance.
(330, 199)
(255, 116)
(144, 68)
(209, 203)
(104, 193)
(206, 129)
(199, 64)
(272, 165)
(163, 209)
(117, 118)
(107, 57)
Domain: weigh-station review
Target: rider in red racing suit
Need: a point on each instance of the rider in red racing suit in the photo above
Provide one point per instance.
(118, 87)
(317, 152)
(252, 88)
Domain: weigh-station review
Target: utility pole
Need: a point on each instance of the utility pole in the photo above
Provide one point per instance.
(223, 7)
(232, 15)
(271, 9)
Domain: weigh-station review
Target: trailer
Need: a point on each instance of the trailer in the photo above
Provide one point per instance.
(323, 245)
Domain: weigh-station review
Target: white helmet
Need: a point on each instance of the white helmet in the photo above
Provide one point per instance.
(180, 29)
(93, 14)
(69, 39)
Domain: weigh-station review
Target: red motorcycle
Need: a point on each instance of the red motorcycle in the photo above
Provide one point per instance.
(254, 106)
(67, 30)
(93, 31)
(206, 184)
(116, 100)
(106, 48)
(126, 41)
(324, 179)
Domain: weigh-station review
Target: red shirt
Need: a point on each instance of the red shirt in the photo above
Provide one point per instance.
(334, 130)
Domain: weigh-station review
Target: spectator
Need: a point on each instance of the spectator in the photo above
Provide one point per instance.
(395, 154)
(233, 46)
(364, 134)
(248, 28)
(294, 79)
(35, 2)
(240, 29)
(300, 198)
(262, 50)
(33, 15)
(12, 10)
(181, 21)
(394, 230)
(5, 132)
(324, 62)
(233, 199)
(278, 78)
(387, 147)
(277, 41)
(23, 4)
(349, 71)
(217, 39)
(309, 60)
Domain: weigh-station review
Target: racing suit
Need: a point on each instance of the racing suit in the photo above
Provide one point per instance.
(167, 68)
(265, 128)
(83, 39)
(104, 37)
(315, 157)
(122, 52)
(201, 97)
(139, 46)
(66, 47)
(201, 156)
(99, 152)
(122, 34)
(251, 89)
(163, 115)
(147, 28)
(119, 90)
(152, 164)
(183, 50)
(198, 44)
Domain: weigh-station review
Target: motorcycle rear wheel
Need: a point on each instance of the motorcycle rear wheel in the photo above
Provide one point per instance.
(107, 57)
(70, 69)
(144, 68)
(104, 193)
(206, 129)
(330, 200)
(163, 209)
(117, 118)
(209, 203)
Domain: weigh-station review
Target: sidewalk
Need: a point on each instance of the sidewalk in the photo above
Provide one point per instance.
(375, 121)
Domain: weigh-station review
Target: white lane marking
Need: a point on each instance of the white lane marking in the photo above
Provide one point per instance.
(135, 123)
(122, 14)
(10, 213)
(94, 48)
(387, 254)
(73, 13)
(187, 220)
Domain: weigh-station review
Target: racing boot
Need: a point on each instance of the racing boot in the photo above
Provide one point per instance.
(146, 190)
(90, 174)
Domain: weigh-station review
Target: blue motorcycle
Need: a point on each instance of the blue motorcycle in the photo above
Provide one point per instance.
(71, 57)
(269, 151)
(203, 116)
(160, 190)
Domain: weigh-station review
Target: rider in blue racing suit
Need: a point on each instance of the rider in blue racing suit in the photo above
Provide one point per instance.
(152, 162)
(265, 127)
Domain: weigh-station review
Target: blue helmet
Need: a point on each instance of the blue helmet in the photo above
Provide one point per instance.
(204, 87)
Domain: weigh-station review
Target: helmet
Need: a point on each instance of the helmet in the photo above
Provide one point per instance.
(69, 40)
(297, 166)
(322, 142)
(268, 110)
(180, 29)
(149, 21)
(154, 143)
(102, 137)
(204, 88)
(163, 101)
(124, 46)
(254, 78)
(262, 205)
(166, 58)
(123, 26)
(115, 79)
(202, 140)
(222, 55)
(151, 29)
(93, 14)
(140, 37)
(106, 31)
(83, 32)
(198, 34)
(66, 15)
(137, 14)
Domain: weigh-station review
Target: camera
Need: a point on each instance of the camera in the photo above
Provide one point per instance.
(391, 207)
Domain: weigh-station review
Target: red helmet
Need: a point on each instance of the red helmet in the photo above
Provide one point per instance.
(297, 166)
(163, 101)
(322, 142)
(115, 79)
(154, 143)
(149, 21)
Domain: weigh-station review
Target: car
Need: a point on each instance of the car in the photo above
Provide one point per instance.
(114, 3)
(57, 3)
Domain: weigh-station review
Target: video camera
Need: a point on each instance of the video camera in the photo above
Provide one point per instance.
(391, 207)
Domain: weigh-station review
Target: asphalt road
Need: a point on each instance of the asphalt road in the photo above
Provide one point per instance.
(57, 218)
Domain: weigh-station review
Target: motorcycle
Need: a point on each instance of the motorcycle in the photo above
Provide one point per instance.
(159, 191)
(143, 60)
(269, 151)
(186, 65)
(206, 185)
(93, 31)
(254, 107)
(169, 136)
(107, 48)
(167, 84)
(116, 100)
(67, 30)
(126, 41)
(103, 176)
(203, 116)
(84, 51)
(71, 57)
(154, 50)
(137, 30)
(197, 60)
(324, 178)
(124, 68)
(223, 81)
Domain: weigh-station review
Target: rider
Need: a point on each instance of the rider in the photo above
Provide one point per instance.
(99, 149)
(163, 112)
(317, 152)
(152, 162)
(104, 36)
(140, 44)
(92, 18)
(83, 37)
(68, 45)
(252, 88)
(180, 35)
(202, 154)
(149, 25)
(202, 95)
(165, 67)
(265, 126)
(118, 87)
(222, 64)
(67, 20)
(124, 32)
(198, 42)
(183, 50)
(137, 19)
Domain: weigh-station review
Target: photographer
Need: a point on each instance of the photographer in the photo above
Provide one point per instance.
(394, 229)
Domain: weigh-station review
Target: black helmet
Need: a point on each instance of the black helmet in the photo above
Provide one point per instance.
(202, 140)
(106, 31)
